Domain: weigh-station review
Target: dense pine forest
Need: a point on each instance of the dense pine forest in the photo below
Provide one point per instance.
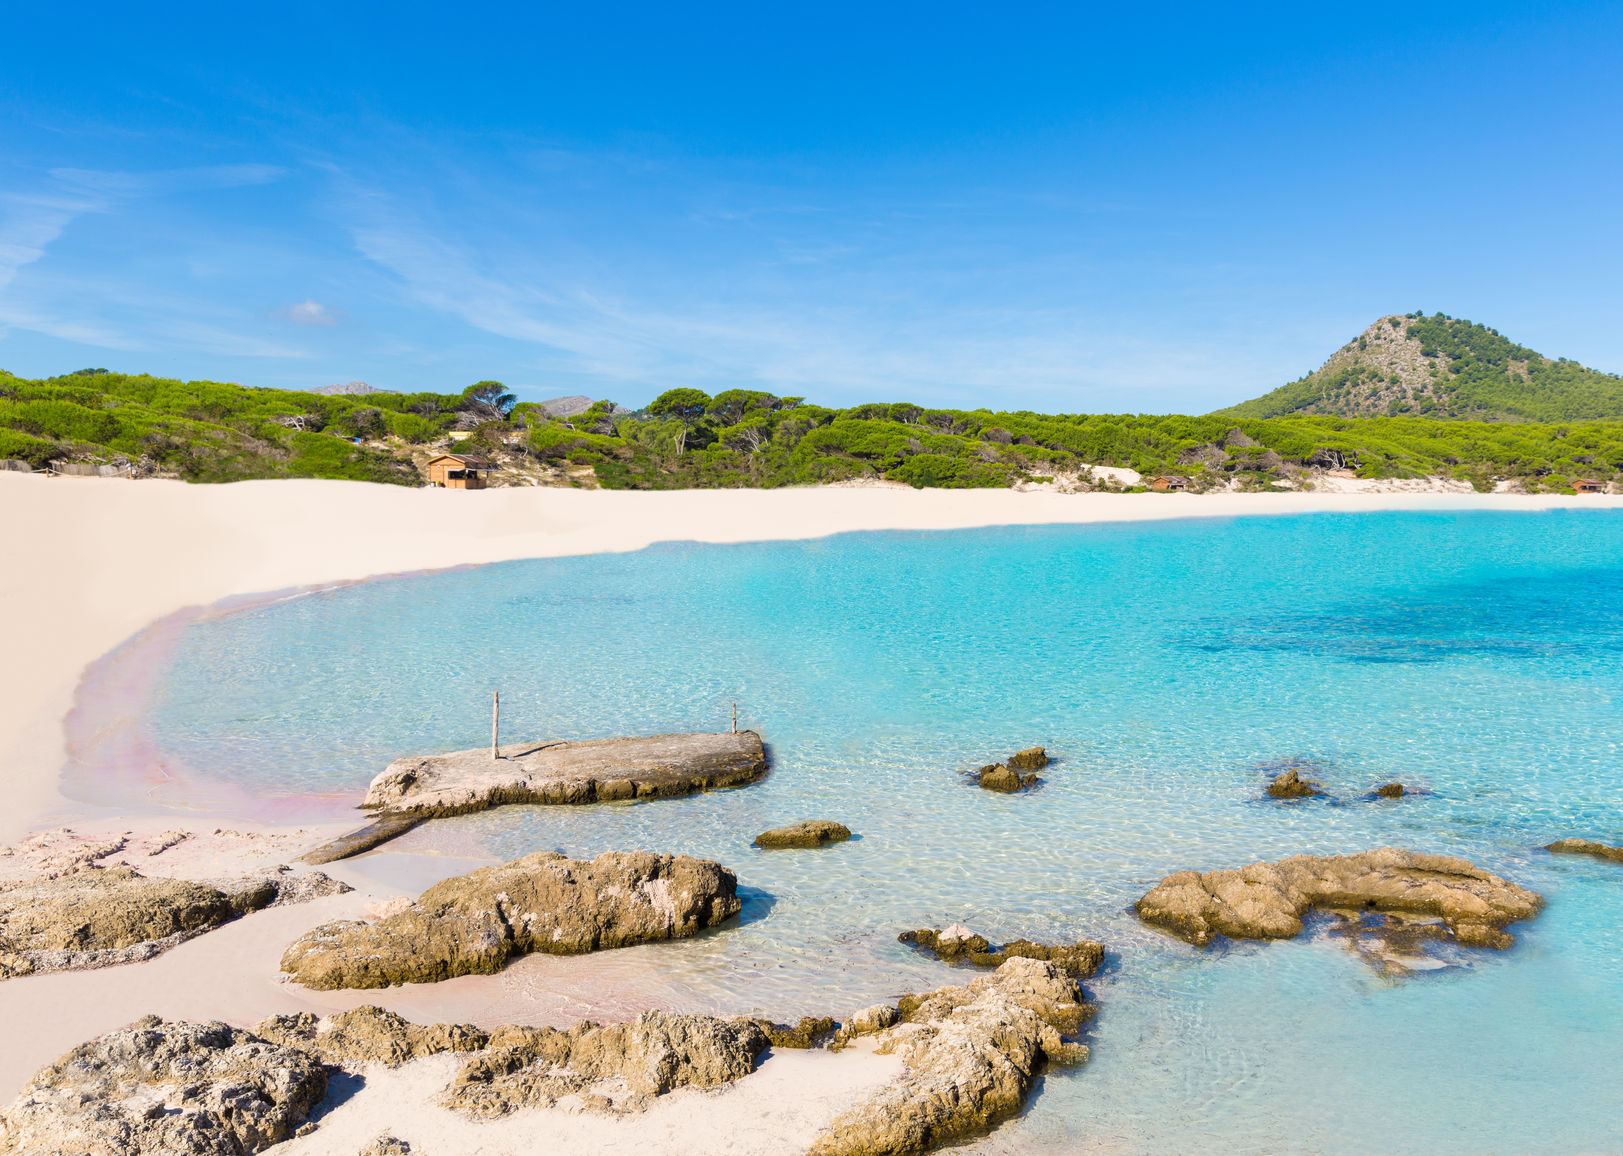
(214, 432)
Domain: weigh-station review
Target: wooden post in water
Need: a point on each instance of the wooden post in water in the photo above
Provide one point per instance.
(735, 718)
(495, 721)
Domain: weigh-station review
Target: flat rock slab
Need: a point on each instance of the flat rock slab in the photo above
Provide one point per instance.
(473, 924)
(808, 833)
(590, 771)
(1268, 900)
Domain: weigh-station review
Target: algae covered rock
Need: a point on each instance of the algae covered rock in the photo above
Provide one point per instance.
(473, 924)
(97, 918)
(1586, 847)
(1290, 785)
(808, 833)
(1390, 791)
(971, 1056)
(959, 944)
(805, 1034)
(1030, 759)
(1005, 780)
(1268, 900)
(205, 1089)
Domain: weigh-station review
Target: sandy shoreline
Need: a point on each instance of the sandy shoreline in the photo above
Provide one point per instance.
(94, 563)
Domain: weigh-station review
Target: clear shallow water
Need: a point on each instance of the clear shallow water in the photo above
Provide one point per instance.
(1166, 666)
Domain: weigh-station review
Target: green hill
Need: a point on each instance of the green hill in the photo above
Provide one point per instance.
(1442, 367)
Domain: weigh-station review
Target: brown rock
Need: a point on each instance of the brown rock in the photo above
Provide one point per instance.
(473, 924)
(998, 777)
(972, 1054)
(808, 833)
(1586, 847)
(530, 1067)
(803, 1035)
(955, 944)
(1030, 759)
(205, 1089)
(1268, 900)
(1289, 785)
(1390, 791)
(386, 1145)
(369, 1035)
(98, 918)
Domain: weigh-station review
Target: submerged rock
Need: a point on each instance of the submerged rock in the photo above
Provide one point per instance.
(98, 918)
(1030, 759)
(473, 924)
(1289, 785)
(1586, 847)
(971, 1055)
(615, 1066)
(998, 777)
(1268, 900)
(1390, 791)
(809, 833)
(158, 1087)
(956, 944)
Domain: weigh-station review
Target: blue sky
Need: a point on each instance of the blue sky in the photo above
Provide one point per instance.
(1059, 207)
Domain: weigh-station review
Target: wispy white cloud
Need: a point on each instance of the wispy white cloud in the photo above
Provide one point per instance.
(856, 333)
(308, 312)
(78, 309)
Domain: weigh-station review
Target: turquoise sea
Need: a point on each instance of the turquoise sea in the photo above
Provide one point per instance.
(1170, 668)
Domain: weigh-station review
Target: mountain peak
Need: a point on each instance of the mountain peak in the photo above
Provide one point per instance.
(1442, 367)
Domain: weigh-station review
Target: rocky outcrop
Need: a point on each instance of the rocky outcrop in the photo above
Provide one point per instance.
(971, 1055)
(97, 918)
(1390, 791)
(473, 924)
(369, 1035)
(808, 1033)
(809, 833)
(386, 1145)
(205, 1089)
(1586, 847)
(1268, 900)
(959, 944)
(598, 770)
(1030, 759)
(615, 1067)
(1290, 785)
(998, 777)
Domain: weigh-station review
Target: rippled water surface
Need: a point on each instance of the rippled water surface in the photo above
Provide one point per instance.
(1167, 667)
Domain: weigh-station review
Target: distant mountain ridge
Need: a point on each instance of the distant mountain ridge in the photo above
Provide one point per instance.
(1442, 367)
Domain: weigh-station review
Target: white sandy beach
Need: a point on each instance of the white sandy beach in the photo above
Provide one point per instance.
(91, 562)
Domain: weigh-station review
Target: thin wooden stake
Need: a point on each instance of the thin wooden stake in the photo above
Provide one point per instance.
(735, 718)
(495, 721)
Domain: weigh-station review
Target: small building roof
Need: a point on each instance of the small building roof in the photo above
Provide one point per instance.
(468, 460)
(1171, 478)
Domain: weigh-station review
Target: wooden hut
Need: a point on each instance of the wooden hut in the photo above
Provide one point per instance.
(1169, 484)
(1589, 486)
(458, 471)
